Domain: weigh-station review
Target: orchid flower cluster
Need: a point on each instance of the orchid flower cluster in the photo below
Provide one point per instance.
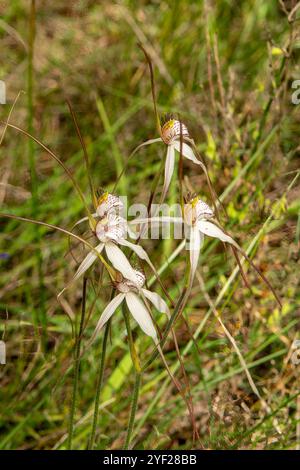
(111, 230)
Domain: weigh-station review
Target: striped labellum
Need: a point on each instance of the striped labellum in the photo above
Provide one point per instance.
(197, 210)
(108, 203)
(172, 130)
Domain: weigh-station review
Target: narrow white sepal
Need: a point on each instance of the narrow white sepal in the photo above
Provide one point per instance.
(151, 141)
(108, 312)
(187, 152)
(119, 261)
(169, 169)
(87, 262)
(141, 315)
(84, 219)
(84, 266)
(157, 301)
(208, 228)
(195, 245)
(139, 251)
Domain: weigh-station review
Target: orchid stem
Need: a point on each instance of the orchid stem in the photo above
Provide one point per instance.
(77, 366)
(99, 387)
(136, 389)
(134, 403)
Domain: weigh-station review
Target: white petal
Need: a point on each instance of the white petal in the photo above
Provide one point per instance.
(120, 262)
(106, 314)
(138, 250)
(157, 301)
(154, 222)
(169, 169)
(131, 233)
(213, 231)
(148, 142)
(87, 262)
(195, 245)
(141, 315)
(84, 266)
(108, 311)
(187, 152)
(151, 141)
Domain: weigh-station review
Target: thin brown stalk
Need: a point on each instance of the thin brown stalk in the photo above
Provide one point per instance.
(153, 89)
(85, 153)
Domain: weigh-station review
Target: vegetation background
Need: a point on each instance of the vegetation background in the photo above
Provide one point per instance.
(227, 68)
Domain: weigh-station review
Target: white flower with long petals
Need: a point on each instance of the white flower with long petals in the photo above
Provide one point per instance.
(134, 294)
(196, 216)
(170, 135)
(111, 230)
(196, 219)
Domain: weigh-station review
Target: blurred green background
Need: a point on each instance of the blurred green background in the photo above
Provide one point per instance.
(227, 69)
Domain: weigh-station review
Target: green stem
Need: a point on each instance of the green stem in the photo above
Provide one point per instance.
(134, 402)
(99, 387)
(138, 373)
(77, 366)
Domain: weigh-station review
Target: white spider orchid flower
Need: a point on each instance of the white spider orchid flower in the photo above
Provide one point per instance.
(106, 204)
(196, 216)
(109, 204)
(170, 135)
(196, 219)
(134, 294)
(111, 231)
